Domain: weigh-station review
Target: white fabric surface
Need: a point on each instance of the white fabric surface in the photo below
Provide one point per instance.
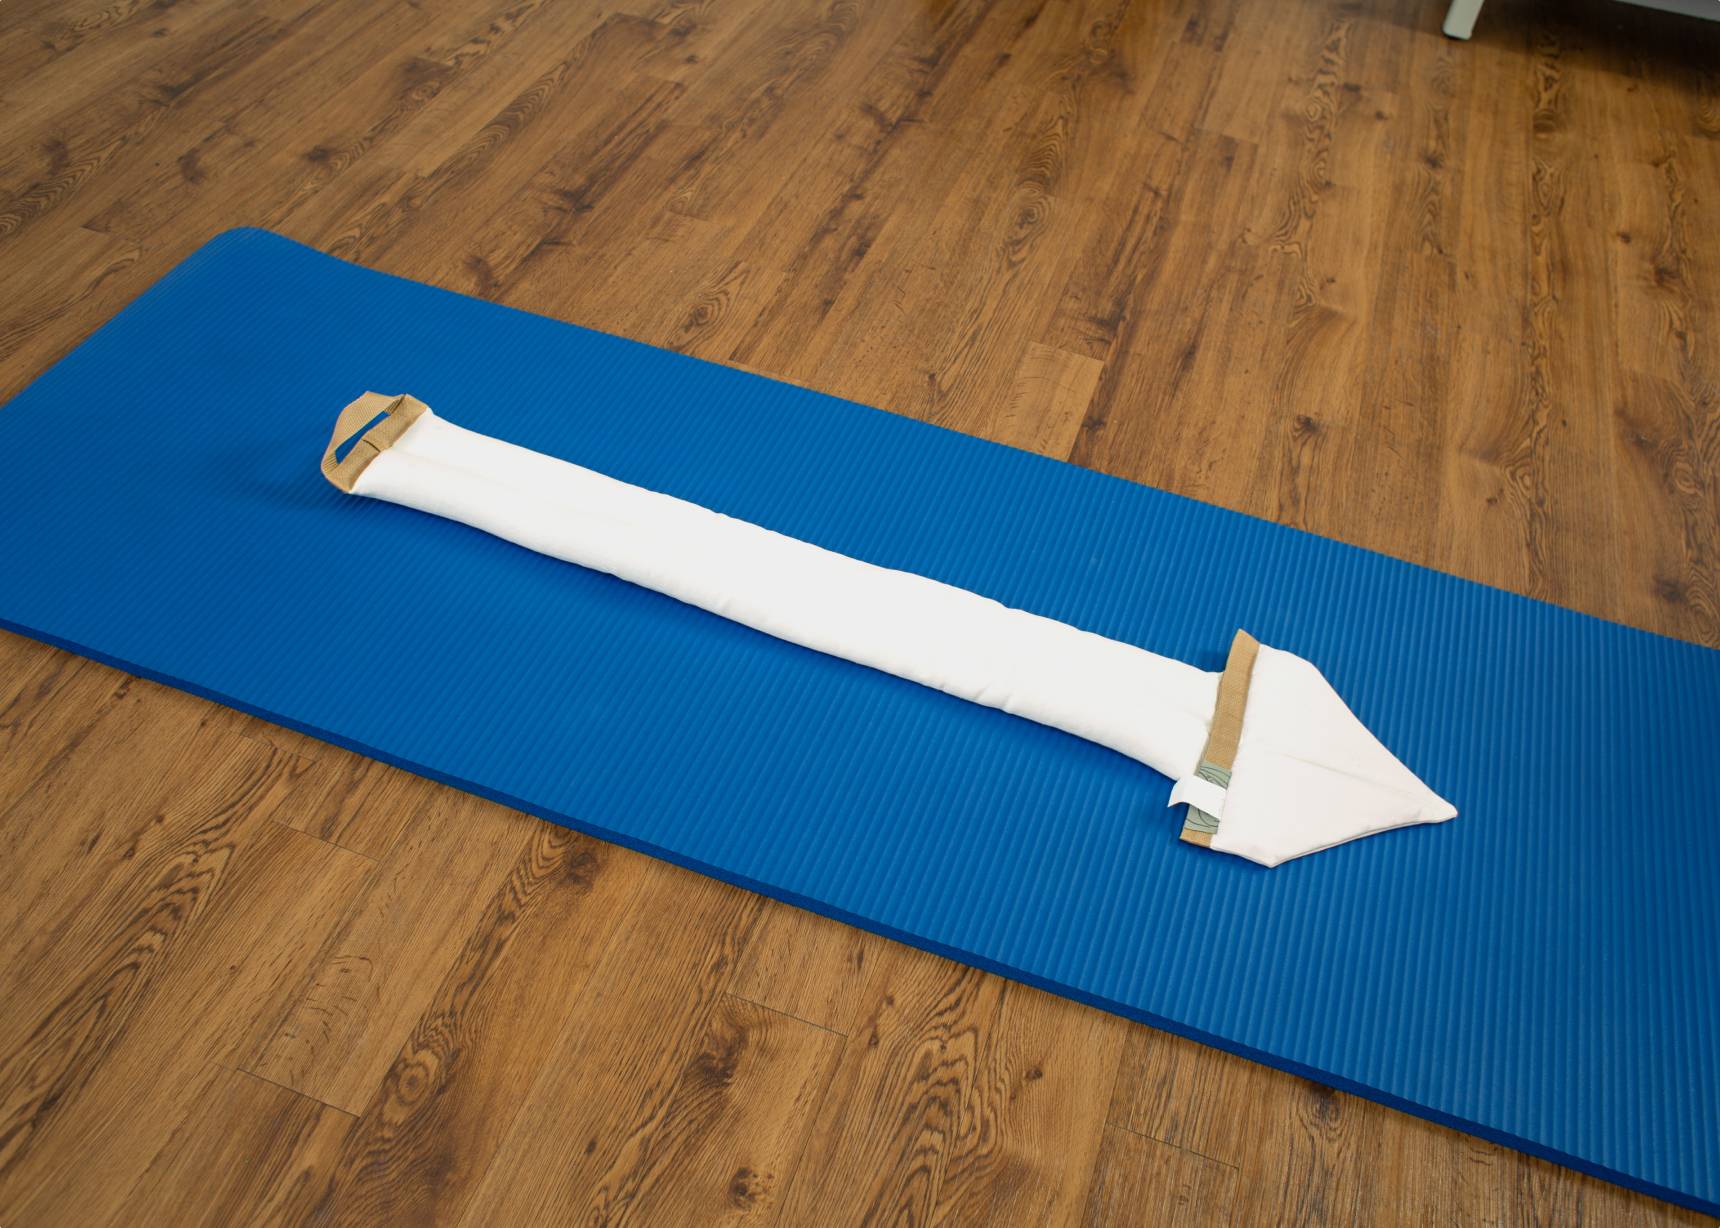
(1308, 774)
(1145, 706)
(1200, 793)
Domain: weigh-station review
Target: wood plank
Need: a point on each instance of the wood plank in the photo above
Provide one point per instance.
(106, 808)
(45, 295)
(430, 1131)
(801, 964)
(408, 114)
(111, 936)
(1315, 229)
(1666, 416)
(574, 1150)
(1546, 1194)
(1189, 1095)
(1560, 438)
(807, 235)
(1010, 252)
(52, 301)
(33, 726)
(668, 275)
(349, 800)
(76, 53)
(1143, 1181)
(1171, 366)
(208, 148)
(733, 1131)
(609, 139)
(1443, 1177)
(106, 133)
(499, 157)
(989, 227)
(1049, 1071)
(1322, 1145)
(1048, 401)
(1035, 1090)
(192, 966)
(920, 1048)
(245, 1154)
(345, 1022)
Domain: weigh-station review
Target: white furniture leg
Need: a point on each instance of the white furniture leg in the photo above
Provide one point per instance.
(1460, 18)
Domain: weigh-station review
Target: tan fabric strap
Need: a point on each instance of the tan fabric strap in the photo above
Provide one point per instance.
(1226, 733)
(401, 411)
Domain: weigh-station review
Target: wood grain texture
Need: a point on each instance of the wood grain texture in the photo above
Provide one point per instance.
(920, 1045)
(249, 1151)
(586, 1142)
(1143, 1181)
(432, 1126)
(1309, 260)
(734, 1129)
(375, 978)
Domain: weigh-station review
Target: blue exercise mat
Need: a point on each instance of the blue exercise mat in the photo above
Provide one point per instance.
(1543, 971)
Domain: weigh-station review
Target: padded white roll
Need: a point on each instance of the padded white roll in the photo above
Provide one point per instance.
(1306, 773)
(1148, 707)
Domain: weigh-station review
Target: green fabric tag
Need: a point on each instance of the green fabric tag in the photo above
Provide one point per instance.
(1198, 820)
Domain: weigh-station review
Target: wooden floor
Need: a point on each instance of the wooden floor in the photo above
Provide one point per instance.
(1305, 258)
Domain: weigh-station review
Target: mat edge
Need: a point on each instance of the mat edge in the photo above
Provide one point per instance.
(955, 954)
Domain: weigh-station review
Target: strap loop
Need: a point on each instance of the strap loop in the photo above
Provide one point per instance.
(1201, 822)
(397, 413)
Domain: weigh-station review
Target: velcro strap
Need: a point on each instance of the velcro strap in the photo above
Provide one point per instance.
(1200, 824)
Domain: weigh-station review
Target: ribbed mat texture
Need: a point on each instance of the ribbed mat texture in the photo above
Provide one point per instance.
(1544, 970)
